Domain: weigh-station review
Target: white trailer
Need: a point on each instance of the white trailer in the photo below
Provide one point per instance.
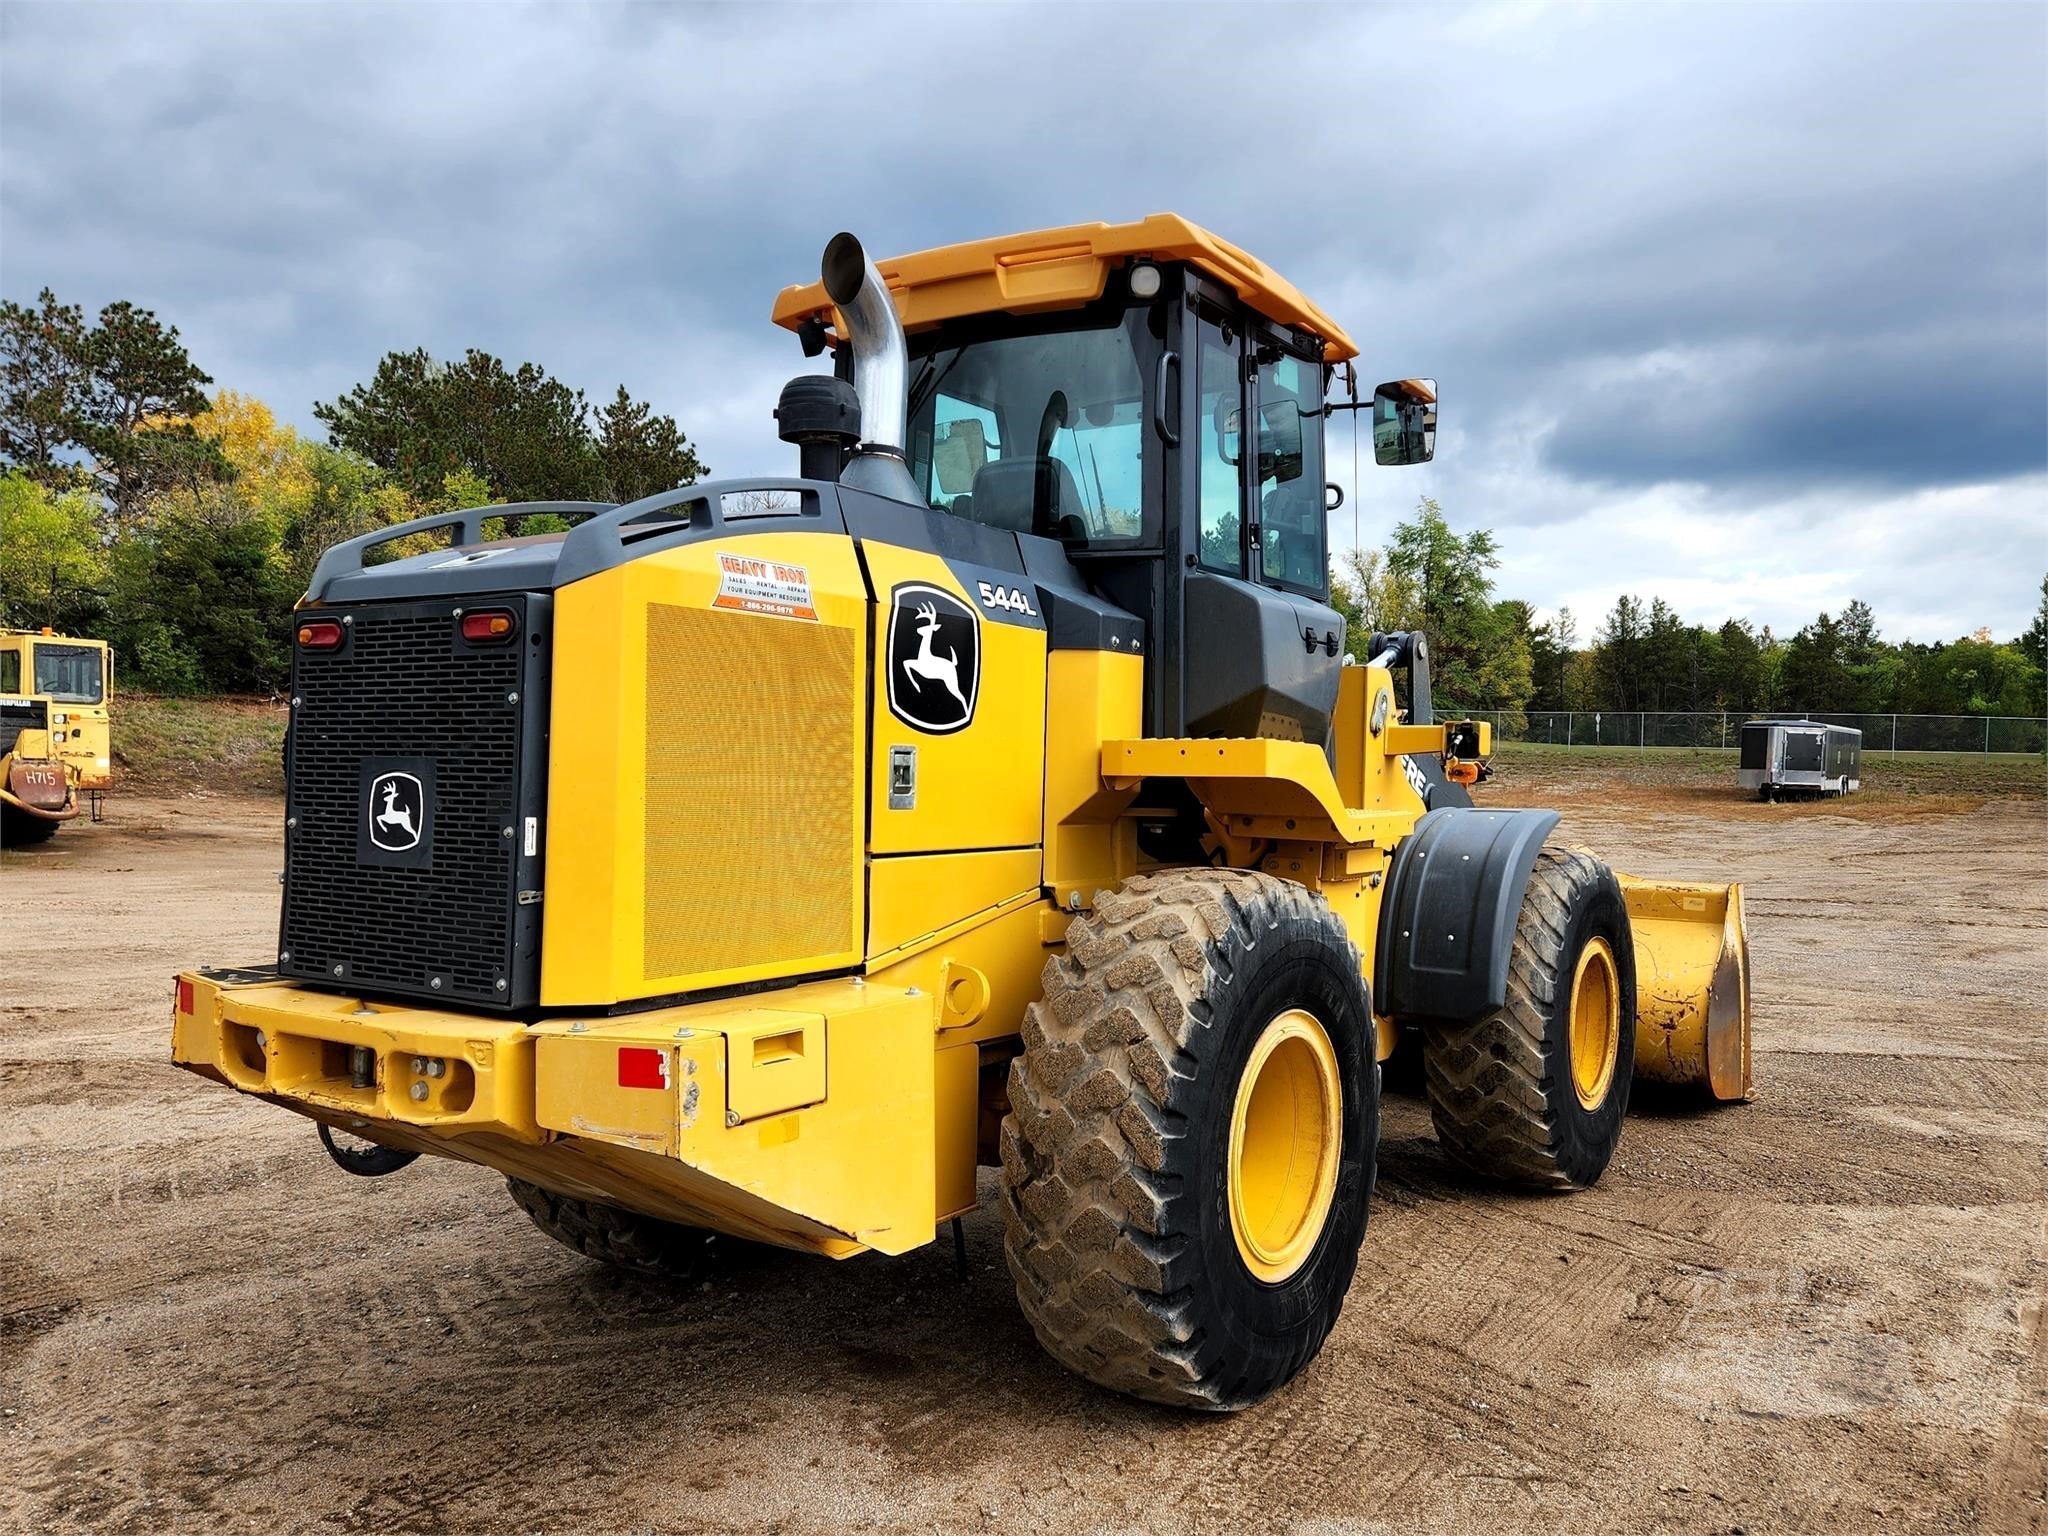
(1806, 757)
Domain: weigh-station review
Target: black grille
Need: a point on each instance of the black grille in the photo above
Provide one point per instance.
(405, 689)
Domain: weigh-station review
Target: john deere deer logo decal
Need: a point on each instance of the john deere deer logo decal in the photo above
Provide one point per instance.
(934, 659)
(394, 823)
(395, 812)
(943, 670)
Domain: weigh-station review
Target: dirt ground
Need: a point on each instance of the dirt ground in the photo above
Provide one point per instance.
(1819, 1311)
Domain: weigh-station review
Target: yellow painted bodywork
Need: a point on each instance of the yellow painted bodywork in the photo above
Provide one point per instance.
(1090, 697)
(697, 810)
(1285, 808)
(735, 1139)
(1063, 269)
(1692, 985)
(913, 899)
(978, 787)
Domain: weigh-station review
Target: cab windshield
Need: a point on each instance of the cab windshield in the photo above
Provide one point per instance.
(69, 672)
(1037, 433)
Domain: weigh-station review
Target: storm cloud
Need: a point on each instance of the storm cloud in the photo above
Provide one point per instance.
(1745, 306)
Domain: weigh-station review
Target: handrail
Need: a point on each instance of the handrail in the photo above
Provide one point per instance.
(600, 542)
(346, 558)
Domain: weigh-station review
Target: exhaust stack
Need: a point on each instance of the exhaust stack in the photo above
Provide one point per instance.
(881, 370)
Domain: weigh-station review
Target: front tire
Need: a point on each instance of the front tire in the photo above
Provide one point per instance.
(1190, 1149)
(1534, 1094)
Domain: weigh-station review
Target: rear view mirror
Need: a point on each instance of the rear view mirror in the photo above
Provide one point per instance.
(1404, 422)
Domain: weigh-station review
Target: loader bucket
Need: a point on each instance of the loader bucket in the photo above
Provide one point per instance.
(1692, 985)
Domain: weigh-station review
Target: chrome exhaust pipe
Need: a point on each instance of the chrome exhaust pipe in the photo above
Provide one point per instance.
(881, 369)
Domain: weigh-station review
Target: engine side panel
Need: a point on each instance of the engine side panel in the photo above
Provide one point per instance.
(707, 770)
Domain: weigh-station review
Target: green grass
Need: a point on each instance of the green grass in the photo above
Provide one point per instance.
(235, 745)
(1909, 773)
(226, 745)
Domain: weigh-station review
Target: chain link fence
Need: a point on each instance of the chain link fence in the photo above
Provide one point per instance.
(1981, 734)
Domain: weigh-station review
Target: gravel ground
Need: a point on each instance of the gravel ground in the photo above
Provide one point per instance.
(1818, 1311)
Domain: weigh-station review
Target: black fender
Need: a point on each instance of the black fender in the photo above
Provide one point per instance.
(1447, 920)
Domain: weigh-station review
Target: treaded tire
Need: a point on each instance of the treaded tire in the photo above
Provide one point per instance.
(1116, 1219)
(613, 1235)
(18, 829)
(1500, 1091)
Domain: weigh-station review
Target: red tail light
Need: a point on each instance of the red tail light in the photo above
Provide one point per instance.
(488, 625)
(184, 996)
(642, 1066)
(320, 635)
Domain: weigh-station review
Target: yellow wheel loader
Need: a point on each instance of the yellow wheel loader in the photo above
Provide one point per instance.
(751, 864)
(54, 731)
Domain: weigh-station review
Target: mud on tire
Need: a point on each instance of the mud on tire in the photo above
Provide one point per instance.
(1117, 1224)
(1501, 1091)
(613, 1235)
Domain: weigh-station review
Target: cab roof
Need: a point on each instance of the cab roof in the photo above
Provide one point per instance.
(1063, 269)
(48, 634)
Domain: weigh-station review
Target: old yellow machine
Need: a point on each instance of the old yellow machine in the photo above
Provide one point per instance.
(757, 861)
(55, 743)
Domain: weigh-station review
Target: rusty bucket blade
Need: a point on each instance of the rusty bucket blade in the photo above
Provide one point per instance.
(1692, 985)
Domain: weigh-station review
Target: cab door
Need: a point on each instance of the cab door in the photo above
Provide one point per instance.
(1261, 647)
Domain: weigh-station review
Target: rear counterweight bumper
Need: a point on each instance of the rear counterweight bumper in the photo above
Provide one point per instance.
(711, 1114)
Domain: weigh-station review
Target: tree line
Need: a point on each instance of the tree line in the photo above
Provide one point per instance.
(1490, 653)
(182, 524)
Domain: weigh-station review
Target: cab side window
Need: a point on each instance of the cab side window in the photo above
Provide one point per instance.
(1290, 471)
(1219, 391)
(10, 672)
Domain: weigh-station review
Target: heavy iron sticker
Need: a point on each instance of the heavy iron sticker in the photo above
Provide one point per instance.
(934, 659)
(751, 585)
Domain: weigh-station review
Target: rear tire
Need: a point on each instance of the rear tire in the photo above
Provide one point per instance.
(1511, 1097)
(18, 829)
(610, 1234)
(1189, 1152)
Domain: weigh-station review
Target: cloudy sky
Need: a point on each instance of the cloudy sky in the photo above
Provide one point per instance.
(1746, 306)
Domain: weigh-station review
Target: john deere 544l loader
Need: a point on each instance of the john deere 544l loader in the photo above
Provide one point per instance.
(755, 861)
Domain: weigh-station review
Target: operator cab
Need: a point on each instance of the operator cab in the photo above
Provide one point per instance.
(43, 665)
(1149, 402)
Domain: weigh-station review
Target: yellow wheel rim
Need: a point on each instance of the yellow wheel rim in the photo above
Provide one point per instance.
(1286, 1130)
(1595, 1022)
